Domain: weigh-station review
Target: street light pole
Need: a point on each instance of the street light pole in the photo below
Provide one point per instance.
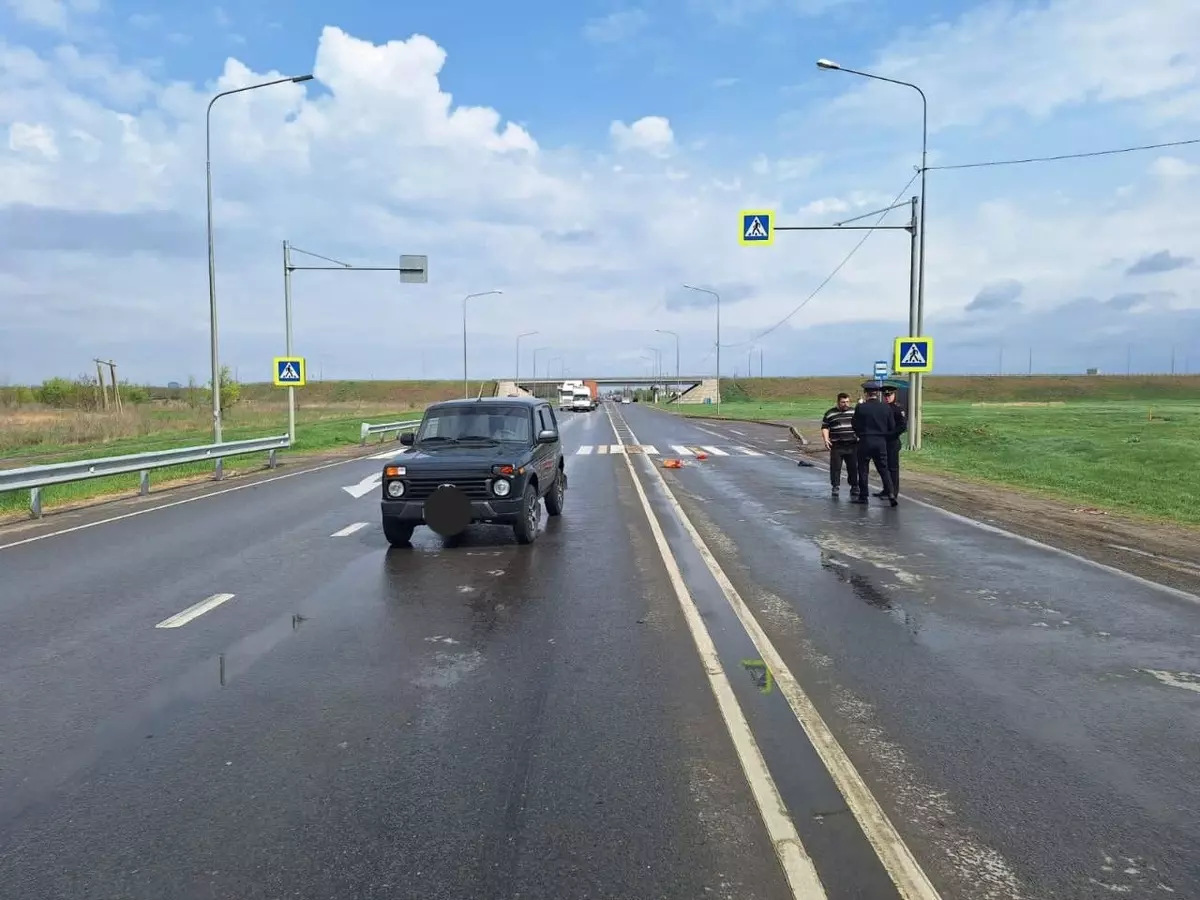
(466, 388)
(676, 336)
(916, 387)
(212, 265)
(718, 299)
(518, 369)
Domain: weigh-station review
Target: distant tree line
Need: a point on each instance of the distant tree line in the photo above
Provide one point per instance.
(83, 393)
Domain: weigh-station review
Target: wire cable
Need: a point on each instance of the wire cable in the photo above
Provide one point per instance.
(1086, 155)
(828, 278)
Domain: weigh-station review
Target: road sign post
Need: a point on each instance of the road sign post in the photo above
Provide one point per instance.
(758, 227)
(290, 371)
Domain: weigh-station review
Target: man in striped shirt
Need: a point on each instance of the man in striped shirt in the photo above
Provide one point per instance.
(842, 444)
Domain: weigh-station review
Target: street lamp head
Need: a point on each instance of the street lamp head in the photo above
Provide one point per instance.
(827, 64)
(299, 78)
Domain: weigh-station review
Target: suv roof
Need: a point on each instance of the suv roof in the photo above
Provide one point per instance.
(490, 401)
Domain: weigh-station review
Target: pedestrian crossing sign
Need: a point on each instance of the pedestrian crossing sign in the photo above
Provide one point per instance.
(914, 354)
(758, 226)
(289, 371)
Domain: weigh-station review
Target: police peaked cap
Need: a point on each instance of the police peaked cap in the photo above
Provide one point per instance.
(872, 386)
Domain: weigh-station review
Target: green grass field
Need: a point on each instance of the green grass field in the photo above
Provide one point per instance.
(317, 429)
(1100, 449)
(1129, 456)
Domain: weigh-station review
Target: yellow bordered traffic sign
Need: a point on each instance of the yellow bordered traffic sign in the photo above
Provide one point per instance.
(913, 354)
(290, 371)
(758, 226)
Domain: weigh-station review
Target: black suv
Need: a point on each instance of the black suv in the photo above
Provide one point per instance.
(487, 460)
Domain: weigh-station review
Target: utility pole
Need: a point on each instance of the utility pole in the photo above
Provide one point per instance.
(112, 369)
(100, 381)
(1031, 361)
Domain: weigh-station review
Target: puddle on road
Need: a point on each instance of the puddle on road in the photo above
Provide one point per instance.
(871, 594)
(876, 556)
(1188, 681)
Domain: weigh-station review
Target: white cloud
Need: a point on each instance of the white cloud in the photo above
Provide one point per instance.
(381, 160)
(38, 138)
(46, 13)
(651, 134)
(1038, 59)
(51, 14)
(616, 27)
(1173, 167)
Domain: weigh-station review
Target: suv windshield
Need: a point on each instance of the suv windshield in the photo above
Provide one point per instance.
(465, 424)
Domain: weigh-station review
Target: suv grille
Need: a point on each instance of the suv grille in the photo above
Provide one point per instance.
(421, 487)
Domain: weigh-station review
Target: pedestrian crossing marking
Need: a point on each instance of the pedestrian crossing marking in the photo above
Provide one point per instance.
(913, 357)
(651, 450)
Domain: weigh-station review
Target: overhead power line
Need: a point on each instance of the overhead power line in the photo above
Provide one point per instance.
(828, 278)
(1086, 155)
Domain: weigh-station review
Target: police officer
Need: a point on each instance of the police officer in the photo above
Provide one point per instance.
(874, 422)
(893, 444)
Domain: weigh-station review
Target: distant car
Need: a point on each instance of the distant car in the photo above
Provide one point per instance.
(490, 460)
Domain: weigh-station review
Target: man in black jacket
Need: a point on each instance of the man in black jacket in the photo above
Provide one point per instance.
(893, 444)
(874, 422)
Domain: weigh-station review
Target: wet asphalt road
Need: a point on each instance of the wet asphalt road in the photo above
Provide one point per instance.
(480, 719)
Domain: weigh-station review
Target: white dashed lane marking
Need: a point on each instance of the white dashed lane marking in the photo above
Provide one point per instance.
(349, 529)
(193, 612)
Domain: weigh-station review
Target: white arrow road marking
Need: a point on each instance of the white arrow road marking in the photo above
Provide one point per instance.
(192, 612)
(364, 487)
(350, 529)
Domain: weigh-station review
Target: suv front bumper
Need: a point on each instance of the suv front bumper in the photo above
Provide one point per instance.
(493, 510)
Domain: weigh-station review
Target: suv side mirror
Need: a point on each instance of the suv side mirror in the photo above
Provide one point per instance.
(407, 438)
(547, 436)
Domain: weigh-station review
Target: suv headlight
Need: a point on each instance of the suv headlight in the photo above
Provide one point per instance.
(501, 487)
(395, 489)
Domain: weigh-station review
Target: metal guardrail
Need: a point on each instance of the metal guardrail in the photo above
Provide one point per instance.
(34, 478)
(384, 427)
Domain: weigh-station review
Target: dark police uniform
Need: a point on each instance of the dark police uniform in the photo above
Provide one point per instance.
(874, 422)
(893, 444)
(844, 447)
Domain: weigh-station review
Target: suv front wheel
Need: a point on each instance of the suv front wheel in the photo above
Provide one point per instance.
(557, 495)
(526, 527)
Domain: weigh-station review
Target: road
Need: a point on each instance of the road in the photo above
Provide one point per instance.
(712, 681)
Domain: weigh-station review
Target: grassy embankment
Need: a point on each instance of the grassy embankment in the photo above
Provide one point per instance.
(328, 416)
(1118, 443)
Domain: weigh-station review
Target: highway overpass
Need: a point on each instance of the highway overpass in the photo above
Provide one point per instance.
(691, 388)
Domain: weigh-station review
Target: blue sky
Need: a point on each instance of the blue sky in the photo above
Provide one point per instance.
(609, 151)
